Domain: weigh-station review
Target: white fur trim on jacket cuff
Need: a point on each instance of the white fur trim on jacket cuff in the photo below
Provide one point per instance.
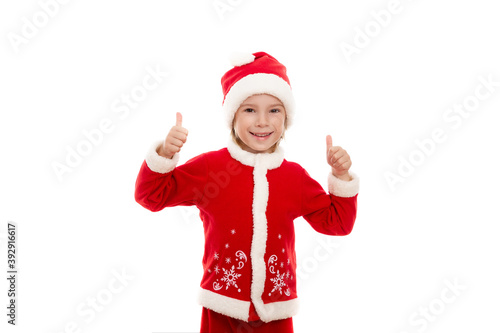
(159, 163)
(342, 188)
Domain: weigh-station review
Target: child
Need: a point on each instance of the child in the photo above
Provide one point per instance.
(248, 196)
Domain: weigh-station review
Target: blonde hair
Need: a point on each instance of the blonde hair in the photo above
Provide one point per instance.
(240, 143)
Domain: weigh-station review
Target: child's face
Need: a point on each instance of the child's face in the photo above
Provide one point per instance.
(260, 122)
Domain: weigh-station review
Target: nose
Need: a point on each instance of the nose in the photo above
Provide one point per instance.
(261, 120)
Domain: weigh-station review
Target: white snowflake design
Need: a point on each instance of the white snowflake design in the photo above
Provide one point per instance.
(230, 277)
(278, 280)
(233, 231)
(271, 262)
(241, 256)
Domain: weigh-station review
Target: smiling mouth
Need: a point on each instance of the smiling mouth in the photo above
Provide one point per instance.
(261, 135)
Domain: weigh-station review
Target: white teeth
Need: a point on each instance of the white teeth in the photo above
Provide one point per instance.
(261, 135)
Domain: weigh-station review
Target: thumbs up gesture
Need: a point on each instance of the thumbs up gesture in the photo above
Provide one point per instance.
(338, 159)
(174, 140)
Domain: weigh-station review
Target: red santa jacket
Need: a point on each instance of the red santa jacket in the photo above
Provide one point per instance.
(248, 203)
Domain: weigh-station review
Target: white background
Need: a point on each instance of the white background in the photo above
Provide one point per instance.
(74, 234)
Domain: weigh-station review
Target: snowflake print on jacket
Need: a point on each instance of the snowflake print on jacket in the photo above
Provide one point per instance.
(230, 274)
(230, 277)
(279, 283)
(278, 280)
(241, 256)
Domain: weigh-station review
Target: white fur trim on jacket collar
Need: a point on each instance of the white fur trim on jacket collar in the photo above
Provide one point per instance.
(159, 163)
(268, 160)
(259, 83)
(342, 188)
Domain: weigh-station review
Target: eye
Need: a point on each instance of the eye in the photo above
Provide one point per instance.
(275, 110)
(248, 110)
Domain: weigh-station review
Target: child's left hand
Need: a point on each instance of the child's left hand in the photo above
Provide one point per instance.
(338, 159)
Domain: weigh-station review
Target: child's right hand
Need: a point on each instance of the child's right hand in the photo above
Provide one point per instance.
(174, 140)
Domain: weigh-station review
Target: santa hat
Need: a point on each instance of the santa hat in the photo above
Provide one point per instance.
(257, 73)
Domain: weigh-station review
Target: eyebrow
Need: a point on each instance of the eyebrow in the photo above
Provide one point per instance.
(254, 105)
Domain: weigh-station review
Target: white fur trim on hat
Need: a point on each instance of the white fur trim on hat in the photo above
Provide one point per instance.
(259, 83)
(241, 58)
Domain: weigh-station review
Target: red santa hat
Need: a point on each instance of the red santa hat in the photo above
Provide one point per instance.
(257, 73)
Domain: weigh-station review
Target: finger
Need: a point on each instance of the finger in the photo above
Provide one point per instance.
(334, 161)
(346, 165)
(181, 130)
(334, 151)
(180, 135)
(342, 161)
(178, 119)
(328, 142)
(176, 142)
(342, 168)
(173, 148)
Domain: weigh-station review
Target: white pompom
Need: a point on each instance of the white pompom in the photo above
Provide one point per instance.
(241, 58)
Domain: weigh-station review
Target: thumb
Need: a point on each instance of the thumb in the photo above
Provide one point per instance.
(178, 119)
(328, 142)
